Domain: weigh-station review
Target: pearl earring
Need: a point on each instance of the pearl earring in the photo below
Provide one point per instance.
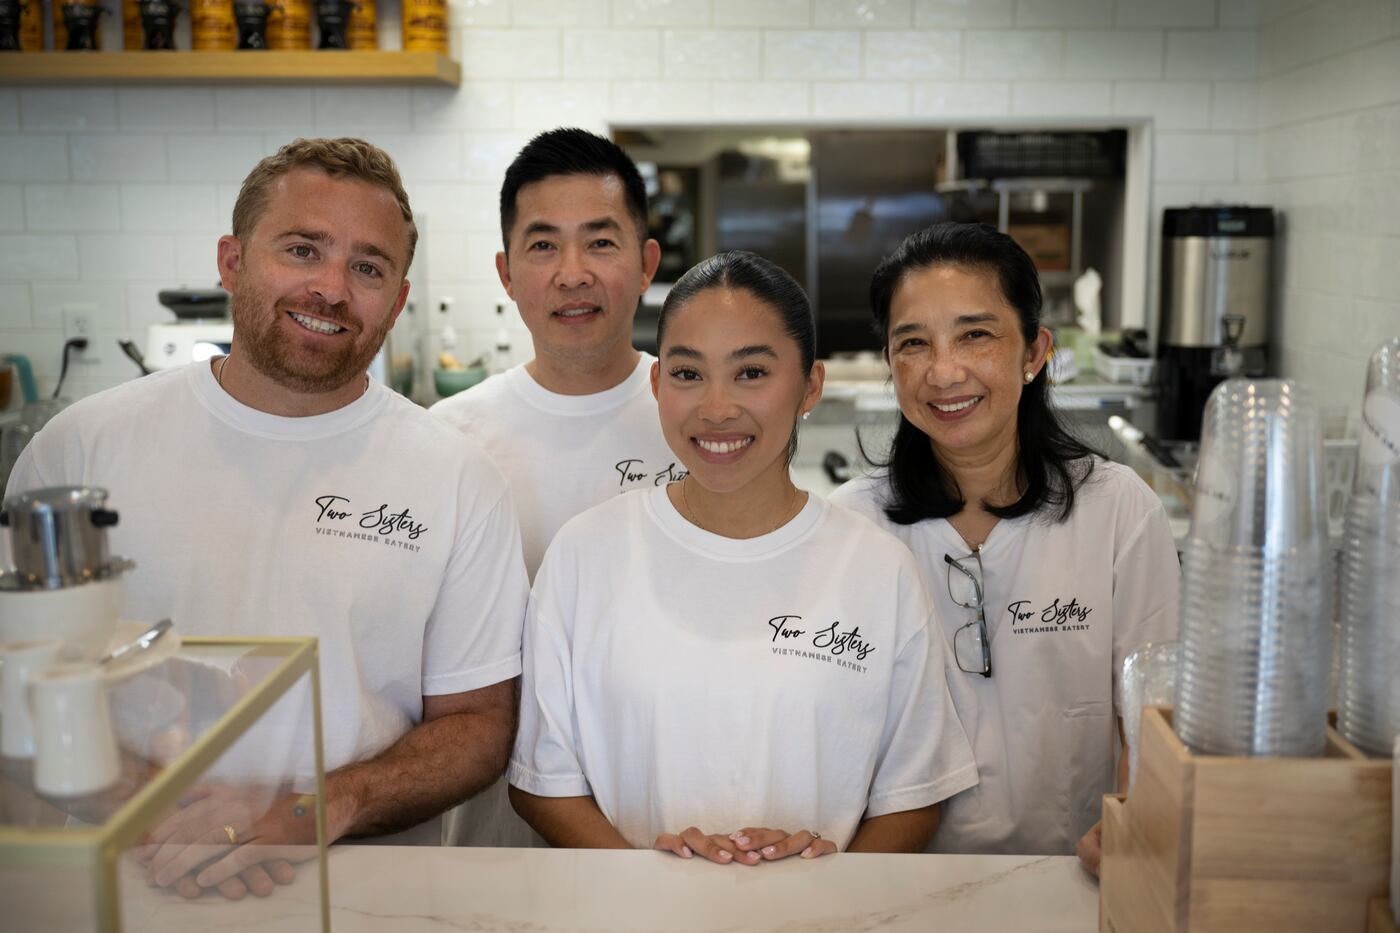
(806, 415)
(1029, 376)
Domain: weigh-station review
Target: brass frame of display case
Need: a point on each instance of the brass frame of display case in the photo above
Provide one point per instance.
(98, 849)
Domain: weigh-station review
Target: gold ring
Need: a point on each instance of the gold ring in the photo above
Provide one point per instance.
(232, 836)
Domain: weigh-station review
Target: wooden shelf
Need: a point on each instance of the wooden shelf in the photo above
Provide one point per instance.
(319, 67)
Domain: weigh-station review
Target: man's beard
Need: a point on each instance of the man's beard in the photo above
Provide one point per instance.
(273, 353)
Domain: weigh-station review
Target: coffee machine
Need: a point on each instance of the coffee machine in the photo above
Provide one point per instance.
(1215, 310)
(63, 585)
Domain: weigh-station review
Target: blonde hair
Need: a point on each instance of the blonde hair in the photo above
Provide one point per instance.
(345, 157)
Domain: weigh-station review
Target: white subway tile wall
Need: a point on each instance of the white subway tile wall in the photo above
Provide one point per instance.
(1051, 14)
(108, 195)
(1120, 53)
(1011, 54)
(9, 109)
(49, 109)
(1177, 14)
(1070, 98)
(962, 99)
(11, 208)
(869, 14)
(611, 53)
(907, 54)
(1326, 99)
(72, 207)
(166, 109)
(1173, 105)
(814, 54)
(785, 14)
(14, 306)
(856, 100)
(964, 14)
(723, 54)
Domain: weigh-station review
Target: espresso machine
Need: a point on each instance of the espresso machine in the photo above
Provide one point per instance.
(1215, 309)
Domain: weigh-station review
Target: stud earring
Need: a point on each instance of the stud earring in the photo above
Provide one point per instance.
(806, 415)
(1030, 376)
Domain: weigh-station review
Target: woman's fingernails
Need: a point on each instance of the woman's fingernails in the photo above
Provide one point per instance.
(807, 852)
(724, 855)
(685, 852)
(742, 840)
(769, 850)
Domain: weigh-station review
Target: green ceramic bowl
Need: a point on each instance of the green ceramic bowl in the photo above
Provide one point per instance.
(452, 381)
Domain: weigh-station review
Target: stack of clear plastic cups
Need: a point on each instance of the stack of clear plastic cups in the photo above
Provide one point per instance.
(1148, 679)
(1368, 681)
(1255, 633)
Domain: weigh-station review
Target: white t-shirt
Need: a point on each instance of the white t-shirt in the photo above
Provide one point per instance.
(1065, 603)
(563, 454)
(791, 680)
(373, 527)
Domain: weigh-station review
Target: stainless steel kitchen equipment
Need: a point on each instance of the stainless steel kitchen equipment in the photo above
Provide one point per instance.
(65, 586)
(58, 536)
(202, 329)
(1215, 308)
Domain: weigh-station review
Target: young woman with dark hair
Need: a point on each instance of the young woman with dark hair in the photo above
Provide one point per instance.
(727, 666)
(1047, 564)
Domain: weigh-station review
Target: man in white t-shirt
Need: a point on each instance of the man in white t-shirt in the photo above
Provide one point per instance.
(279, 491)
(577, 424)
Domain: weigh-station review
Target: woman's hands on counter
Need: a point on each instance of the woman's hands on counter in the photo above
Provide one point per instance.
(748, 846)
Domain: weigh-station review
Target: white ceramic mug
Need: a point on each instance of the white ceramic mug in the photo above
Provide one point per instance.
(18, 661)
(75, 747)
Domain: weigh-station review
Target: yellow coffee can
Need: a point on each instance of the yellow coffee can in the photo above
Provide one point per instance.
(289, 25)
(425, 26)
(212, 28)
(363, 31)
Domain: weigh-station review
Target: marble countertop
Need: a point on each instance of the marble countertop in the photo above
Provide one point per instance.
(429, 889)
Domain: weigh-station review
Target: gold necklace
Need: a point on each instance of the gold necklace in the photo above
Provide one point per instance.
(223, 361)
(787, 515)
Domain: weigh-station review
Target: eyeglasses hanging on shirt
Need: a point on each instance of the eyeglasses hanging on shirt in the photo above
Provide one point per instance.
(972, 647)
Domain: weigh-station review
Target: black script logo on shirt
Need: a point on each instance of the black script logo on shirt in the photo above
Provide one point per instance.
(1058, 616)
(830, 640)
(382, 520)
(636, 471)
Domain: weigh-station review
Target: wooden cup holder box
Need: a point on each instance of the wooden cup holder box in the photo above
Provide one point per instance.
(1209, 843)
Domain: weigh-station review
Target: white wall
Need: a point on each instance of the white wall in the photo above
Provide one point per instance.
(107, 195)
(1327, 153)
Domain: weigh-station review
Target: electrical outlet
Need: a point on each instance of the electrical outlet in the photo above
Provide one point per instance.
(80, 321)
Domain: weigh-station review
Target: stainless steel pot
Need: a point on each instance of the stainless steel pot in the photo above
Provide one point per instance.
(58, 537)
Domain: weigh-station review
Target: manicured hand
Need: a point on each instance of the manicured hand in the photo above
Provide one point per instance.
(719, 849)
(774, 844)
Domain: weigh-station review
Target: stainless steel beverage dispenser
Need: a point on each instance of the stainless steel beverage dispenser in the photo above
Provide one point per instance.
(1216, 307)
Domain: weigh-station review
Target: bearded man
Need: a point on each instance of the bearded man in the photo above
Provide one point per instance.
(280, 491)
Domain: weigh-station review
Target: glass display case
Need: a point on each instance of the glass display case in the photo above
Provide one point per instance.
(219, 796)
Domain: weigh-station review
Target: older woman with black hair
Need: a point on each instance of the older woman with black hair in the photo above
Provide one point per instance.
(727, 667)
(1046, 564)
